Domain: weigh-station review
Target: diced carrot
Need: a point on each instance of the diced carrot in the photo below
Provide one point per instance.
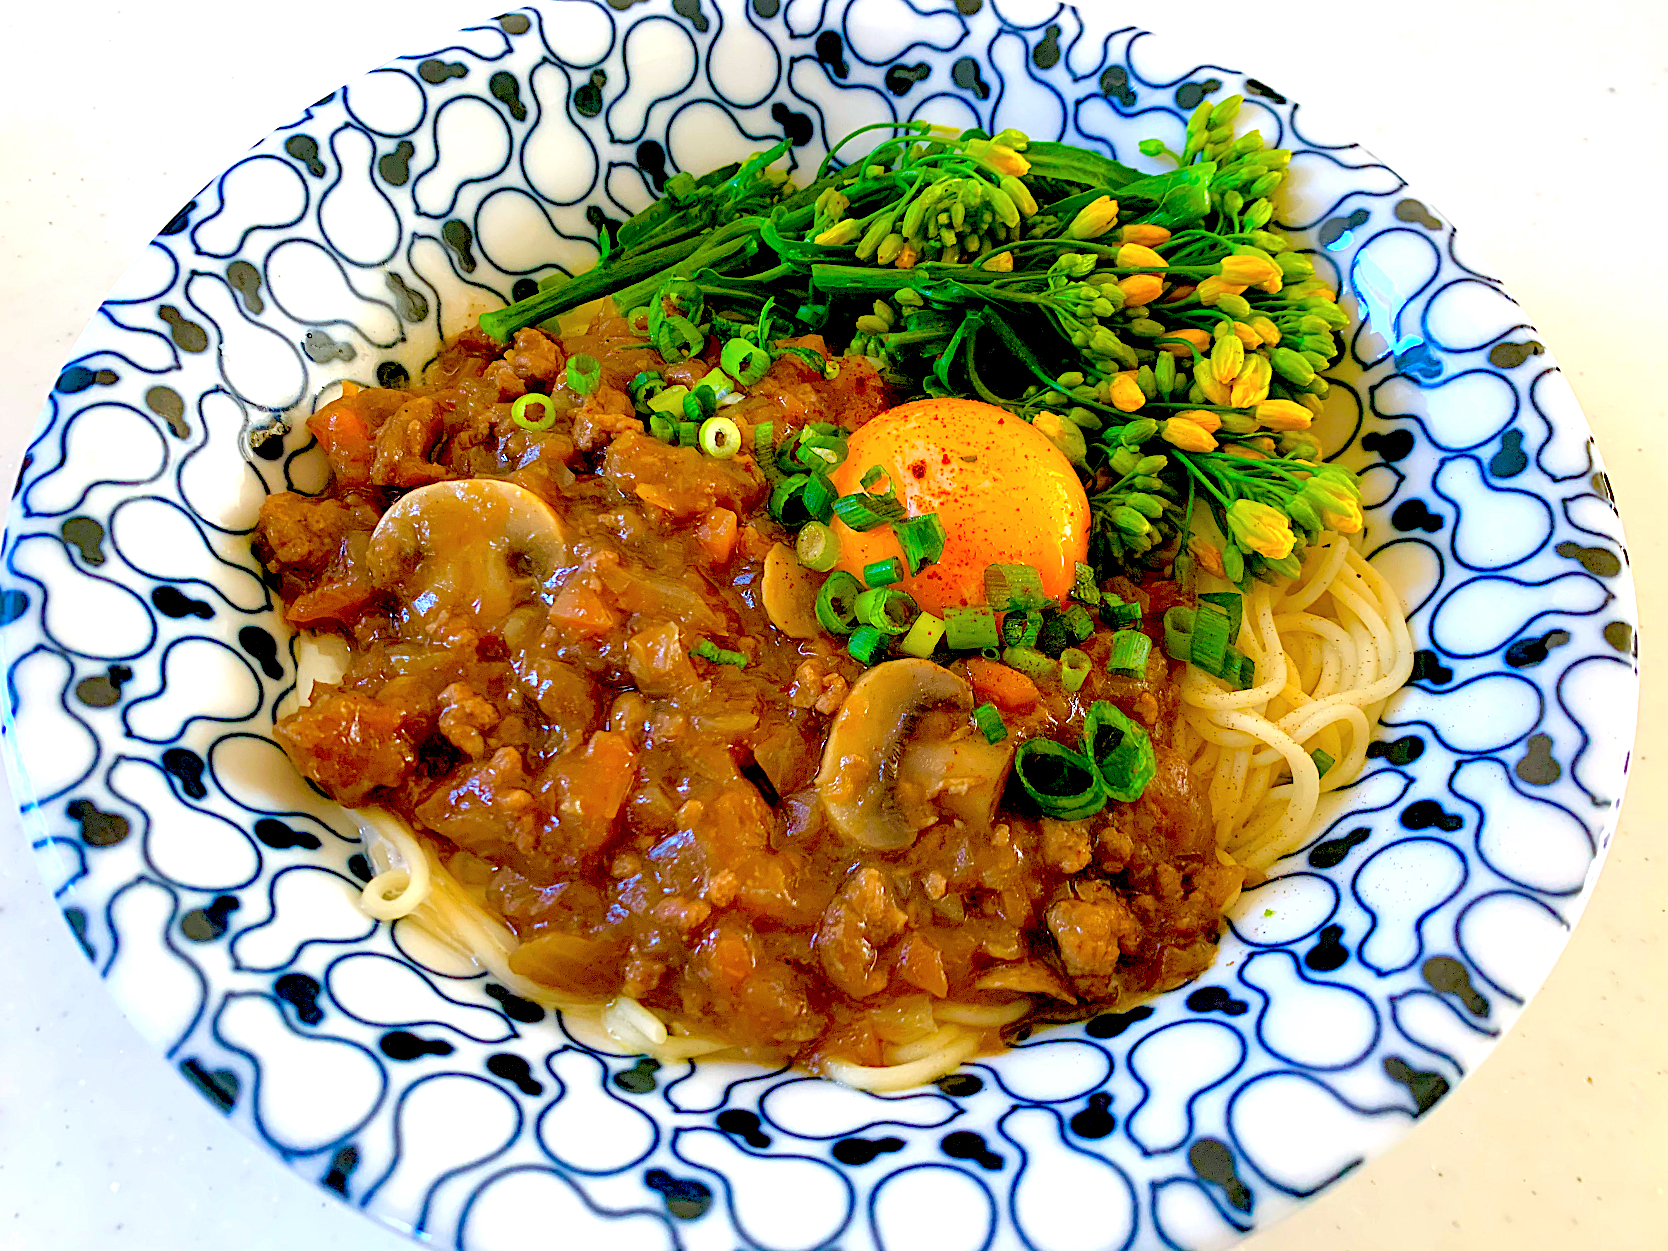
(716, 533)
(346, 441)
(920, 964)
(580, 608)
(595, 785)
(1006, 687)
(732, 957)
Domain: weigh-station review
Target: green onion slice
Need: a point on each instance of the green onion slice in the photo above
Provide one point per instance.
(1230, 602)
(1077, 622)
(662, 427)
(1238, 670)
(583, 373)
(883, 572)
(720, 437)
(1053, 638)
(1323, 761)
(1020, 629)
(1083, 587)
(787, 504)
(990, 723)
(747, 363)
(819, 451)
(868, 645)
(1029, 661)
(1074, 668)
(922, 639)
(1130, 649)
(837, 603)
(689, 434)
(1118, 614)
(922, 540)
(1011, 588)
(518, 411)
(863, 512)
(818, 497)
(677, 338)
(970, 629)
(644, 387)
(818, 547)
(886, 609)
(1178, 632)
(873, 476)
(669, 400)
(1061, 782)
(706, 649)
(1121, 751)
(1210, 638)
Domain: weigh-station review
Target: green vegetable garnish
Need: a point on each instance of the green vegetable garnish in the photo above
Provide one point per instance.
(990, 723)
(1074, 668)
(518, 411)
(1121, 751)
(720, 437)
(1130, 649)
(1323, 762)
(883, 572)
(868, 645)
(888, 610)
(1063, 783)
(583, 373)
(817, 546)
(970, 629)
(837, 603)
(922, 540)
(923, 636)
(708, 650)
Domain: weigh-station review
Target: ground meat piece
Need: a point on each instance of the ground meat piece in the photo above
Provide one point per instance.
(860, 921)
(536, 356)
(404, 444)
(604, 413)
(488, 809)
(463, 716)
(350, 744)
(814, 686)
(1090, 934)
(1066, 845)
(305, 534)
(681, 480)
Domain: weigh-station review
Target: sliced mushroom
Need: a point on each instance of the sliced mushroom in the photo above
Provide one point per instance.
(466, 544)
(790, 594)
(863, 762)
(964, 775)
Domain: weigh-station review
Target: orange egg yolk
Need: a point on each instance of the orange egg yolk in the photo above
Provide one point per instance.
(1003, 492)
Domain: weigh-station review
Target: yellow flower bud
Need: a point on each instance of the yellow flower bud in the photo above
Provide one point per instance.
(1251, 385)
(1178, 293)
(1127, 395)
(1247, 270)
(1226, 357)
(1261, 529)
(1214, 287)
(1272, 284)
(1094, 219)
(1347, 520)
(1187, 436)
(1266, 330)
(1135, 256)
(1146, 234)
(841, 232)
(1248, 336)
(1002, 159)
(1141, 289)
(907, 256)
(1283, 415)
(1198, 338)
(1206, 420)
(1216, 392)
(1001, 263)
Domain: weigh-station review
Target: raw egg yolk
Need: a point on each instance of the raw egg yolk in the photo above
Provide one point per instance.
(1004, 493)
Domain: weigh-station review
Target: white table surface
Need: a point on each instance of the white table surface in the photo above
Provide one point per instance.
(1540, 126)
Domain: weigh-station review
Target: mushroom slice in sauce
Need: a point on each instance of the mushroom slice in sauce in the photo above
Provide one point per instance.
(469, 545)
(899, 746)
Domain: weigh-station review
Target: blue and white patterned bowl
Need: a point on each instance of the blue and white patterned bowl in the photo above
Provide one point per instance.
(215, 892)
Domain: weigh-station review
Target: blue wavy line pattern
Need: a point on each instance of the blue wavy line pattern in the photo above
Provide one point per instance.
(145, 664)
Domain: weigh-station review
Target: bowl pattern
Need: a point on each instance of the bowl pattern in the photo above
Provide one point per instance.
(214, 891)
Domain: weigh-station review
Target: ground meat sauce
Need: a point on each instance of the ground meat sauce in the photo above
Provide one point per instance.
(648, 822)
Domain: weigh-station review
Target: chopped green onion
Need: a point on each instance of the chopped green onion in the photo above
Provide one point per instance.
(1074, 668)
(886, 609)
(1077, 622)
(669, 401)
(1118, 614)
(1121, 751)
(1014, 588)
(1178, 632)
(922, 539)
(837, 603)
(663, 427)
(883, 572)
(863, 512)
(991, 653)
(689, 434)
(700, 403)
(1238, 670)
(1130, 649)
(787, 502)
(970, 629)
(819, 451)
(583, 373)
(644, 387)
(518, 411)
(818, 497)
(1054, 638)
(1020, 629)
(720, 437)
(923, 636)
(818, 547)
(1230, 602)
(1323, 761)
(747, 363)
(764, 441)
(1083, 588)
(867, 645)
(990, 723)
(873, 476)
(707, 650)
(1210, 638)
(1029, 661)
(1061, 782)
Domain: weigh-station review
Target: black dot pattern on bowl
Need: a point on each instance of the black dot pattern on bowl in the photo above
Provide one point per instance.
(1095, 1120)
(86, 536)
(98, 828)
(858, 1151)
(743, 1125)
(399, 1044)
(900, 78)
(507, 91)
(1216, 999)
(342, 1163)
(204, 925)
(831, 51)
(187, 769)
(301, 993)
(1212, 1160)
(1111, 1024)
(515, 1070)
(964, 1144)
(1399, 751)
(1328, 953)
(1330, 854)
(686, 1198)
(103, 690)
(219, 1086)
(170, 601)
(1449, 977)
(1426, 814)
(1425, 1087)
